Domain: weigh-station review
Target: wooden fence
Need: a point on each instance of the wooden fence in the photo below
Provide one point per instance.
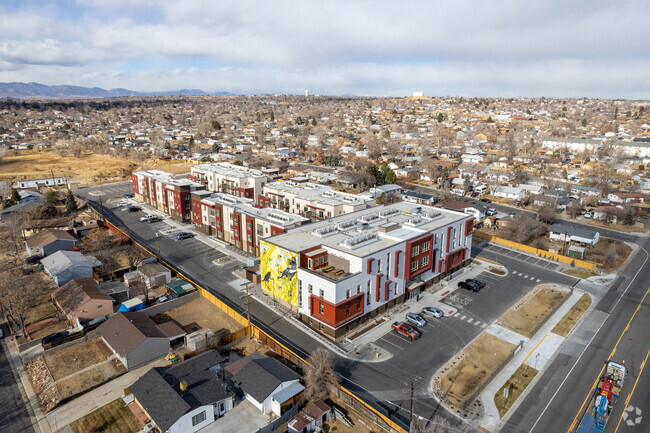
(536, 251)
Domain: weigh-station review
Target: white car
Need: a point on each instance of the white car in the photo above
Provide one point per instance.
(121, 204)
(148, 218)
(434, 312)
(415, 319)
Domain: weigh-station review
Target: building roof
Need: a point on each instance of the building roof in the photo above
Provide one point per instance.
(316, 408)
(76, 292)
(228, 170)
(62, 260)
(171, 329)
(360, 233)
(160, 394)
(126, 330)
(316, 193)
(260, 377)
(47, 236)
(152, 269)
(572, 231)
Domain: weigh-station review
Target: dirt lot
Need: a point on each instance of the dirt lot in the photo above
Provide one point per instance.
(530, 311)
(77, 357)
(199, 313)
(89, 168)
(608, 253)
(71, 370)
(470, 368)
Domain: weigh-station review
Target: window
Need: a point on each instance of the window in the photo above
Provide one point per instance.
(310, 263)
(250, 239)
(321, 293)
(425, 261)
(415, 250)
(347, 309)
(99, 306)
(396, 289)
(248, 226)
(379, 265)
(309, 288)
(358, 288)
(198, 418)
(321, 307)
(425, 247)
(299, 295)
(388, 264)
(358, 304)
(347, 293)
(320, 326)
(414, 266)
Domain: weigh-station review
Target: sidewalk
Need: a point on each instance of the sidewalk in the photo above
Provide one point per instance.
(537, 353)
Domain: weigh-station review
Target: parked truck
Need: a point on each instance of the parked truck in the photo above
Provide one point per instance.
(406, 330)
(604, 399)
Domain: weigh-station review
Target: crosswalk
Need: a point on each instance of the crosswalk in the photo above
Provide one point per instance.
(470, 320)
(525, 276)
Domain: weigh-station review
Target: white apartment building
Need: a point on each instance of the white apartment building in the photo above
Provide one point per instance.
(230, 179)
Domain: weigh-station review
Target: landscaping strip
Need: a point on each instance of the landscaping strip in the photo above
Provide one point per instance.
(517, 383)
(566, 324)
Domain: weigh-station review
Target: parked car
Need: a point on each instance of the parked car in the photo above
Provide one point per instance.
(486, 200)
(32, 260)
(184, 235)
(491, 211)
(474, 194)
(122, 204)
(468, 286)
(589, 215)
(406, 330)
(162, 299)
(150, 218)
(478, 282)
(49, 339)
(133, 209)
(415, 319)
(129, 195)
(434, 312)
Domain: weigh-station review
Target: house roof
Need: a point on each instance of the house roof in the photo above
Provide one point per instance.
(316, 408)
(47, 236)
(159, 393)
(260, 377)
(126, 330)
(62, 260)
(152, 269)
(572, 231)
(171, 329)
(76, 292)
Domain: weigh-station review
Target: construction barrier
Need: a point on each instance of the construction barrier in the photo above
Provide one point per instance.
(261, 335)
(536, 251)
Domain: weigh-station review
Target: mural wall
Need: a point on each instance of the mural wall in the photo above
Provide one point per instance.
(278, 268)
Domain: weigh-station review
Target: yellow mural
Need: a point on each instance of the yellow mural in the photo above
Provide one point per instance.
(278, 268)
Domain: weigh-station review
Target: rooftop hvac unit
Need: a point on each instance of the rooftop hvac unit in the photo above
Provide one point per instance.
(349, 199)
(325, 230)
(278, 217)
(413, 221)
(387, 212)
(345, 224)
(329, 194)
(369, 217)
(431, 215)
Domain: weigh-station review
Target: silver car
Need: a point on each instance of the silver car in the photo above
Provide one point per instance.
(415, 319)
(434, 312)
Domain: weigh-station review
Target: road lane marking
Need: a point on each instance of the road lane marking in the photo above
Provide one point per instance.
(602, 369)
(627, 400)
(457, 314)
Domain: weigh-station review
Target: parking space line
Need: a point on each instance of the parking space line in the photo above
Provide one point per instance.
(526, 276)
(457, 314)
(484, 325)
(392, 344)
(463, 318)
(470, 320)
(477, 323)
(537, 280)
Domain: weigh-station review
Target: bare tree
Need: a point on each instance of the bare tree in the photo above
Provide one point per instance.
(134, 255)
(320, 379)
(437, 424)
(19, 293)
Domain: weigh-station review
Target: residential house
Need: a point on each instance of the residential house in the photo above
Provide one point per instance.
(134, 338)
(418, 197)
(185, 397)
(574, 235)
(390, 191)
(609, 213)
(35, 183)
(509, 192)
(311, 418)
(154, 274)
(476, 210)
(49, 241)
(64, 266)
(271, 386)
(81, 301)
(532, 189)
(625, 197)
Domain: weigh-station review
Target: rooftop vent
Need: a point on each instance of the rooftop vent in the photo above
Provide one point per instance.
(345, 224)
(358, 240)
(322, 231)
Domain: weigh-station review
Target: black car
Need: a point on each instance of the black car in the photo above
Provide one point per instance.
(485, 200)
(184, 235)
(128, 195)
(468, 286)
(133, 209)
(32, 260)
(479, 283)
(49, 339)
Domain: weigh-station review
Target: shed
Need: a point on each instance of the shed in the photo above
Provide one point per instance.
(154, 274)
(179, 287)
(134, 304)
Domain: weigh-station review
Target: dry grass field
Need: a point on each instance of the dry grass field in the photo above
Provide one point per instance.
(524, 317)
(88, 169)
(570, 319)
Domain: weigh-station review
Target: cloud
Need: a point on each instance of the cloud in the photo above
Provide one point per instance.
(370, 47)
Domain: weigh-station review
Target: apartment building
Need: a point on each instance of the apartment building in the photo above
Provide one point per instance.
(237, 221)
(166, 192)
(339, 273)
(311, 200)
(230, 179)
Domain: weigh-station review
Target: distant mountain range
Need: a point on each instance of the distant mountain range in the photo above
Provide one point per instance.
(42, 91)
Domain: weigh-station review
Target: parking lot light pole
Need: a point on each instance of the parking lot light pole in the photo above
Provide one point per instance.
(158, 242)
(248, 310)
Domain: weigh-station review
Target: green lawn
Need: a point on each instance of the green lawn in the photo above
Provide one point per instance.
(115, 417)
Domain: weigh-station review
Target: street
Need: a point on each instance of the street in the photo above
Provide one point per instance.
(13, 410)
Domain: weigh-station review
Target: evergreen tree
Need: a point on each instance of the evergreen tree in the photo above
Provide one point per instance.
(313, 122)
(70, 202)
(52, 197)
(629, 219)
(216, 147)
(272, 117)
(467, 184)
(489, 119)
(15, 197)
(216, 125)
(440, 117)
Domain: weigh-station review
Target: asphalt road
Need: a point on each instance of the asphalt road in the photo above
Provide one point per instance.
(385, 384)
(13, 410)
(507, 209)
(616, 330)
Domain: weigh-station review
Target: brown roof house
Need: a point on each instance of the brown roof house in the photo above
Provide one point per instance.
(81, 301)
(50, 241)
(311, 418)
(134, 338)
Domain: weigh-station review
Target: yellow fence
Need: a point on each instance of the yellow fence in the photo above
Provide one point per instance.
(265, 338)
(536, 251)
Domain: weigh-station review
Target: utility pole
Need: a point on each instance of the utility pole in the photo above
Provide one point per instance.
(412, 381)
(158, 242)
(248, 310)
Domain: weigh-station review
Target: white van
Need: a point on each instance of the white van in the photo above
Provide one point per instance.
(481, 189)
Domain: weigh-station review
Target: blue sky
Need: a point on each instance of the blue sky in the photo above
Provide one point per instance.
(557, 48)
